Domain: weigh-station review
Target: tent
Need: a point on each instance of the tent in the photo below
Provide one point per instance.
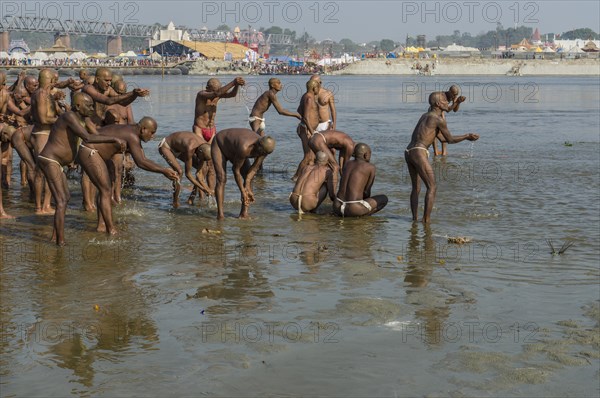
(590, 47)
(548, 50)
(3, 55)
(575, 50)
(155, 56)
(17, 55)
(58, 55)
(39, 55)
(78, 55)
(130, 54)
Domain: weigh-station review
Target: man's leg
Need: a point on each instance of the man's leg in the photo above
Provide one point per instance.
(416, 188)
(95, 168)
(220, 163)
(57, 183)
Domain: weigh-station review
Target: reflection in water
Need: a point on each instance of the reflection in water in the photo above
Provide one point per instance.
(244, 285)
(83, 312)
(422, 258)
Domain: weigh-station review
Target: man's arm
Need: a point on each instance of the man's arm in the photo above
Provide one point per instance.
(330, 186)
(64, 83)
(140, 159)
(239, 180)
(281, 110)
(190, 176)
(332, 111)
(252, 172)
(79, 130)
(19, 80)
(14, 109)
(454, 139)
(106, 100)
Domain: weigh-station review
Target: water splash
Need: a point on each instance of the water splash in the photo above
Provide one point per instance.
(471, 151)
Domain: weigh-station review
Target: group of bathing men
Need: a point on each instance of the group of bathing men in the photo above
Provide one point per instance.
(97, 130)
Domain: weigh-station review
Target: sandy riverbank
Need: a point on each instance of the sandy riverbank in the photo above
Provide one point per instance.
(470, 67)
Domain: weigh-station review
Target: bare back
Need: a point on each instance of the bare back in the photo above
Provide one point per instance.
(357, 180)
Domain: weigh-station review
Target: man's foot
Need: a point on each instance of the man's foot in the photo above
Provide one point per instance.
(176, 205)
(6, 216)
(220, 217)
(89, 208)
(190, 201)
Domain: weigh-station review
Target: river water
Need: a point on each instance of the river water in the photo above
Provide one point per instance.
(317, 305)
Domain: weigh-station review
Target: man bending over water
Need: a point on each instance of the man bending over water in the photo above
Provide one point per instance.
(236, 145)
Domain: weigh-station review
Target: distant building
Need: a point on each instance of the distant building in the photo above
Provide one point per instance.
(18, 46)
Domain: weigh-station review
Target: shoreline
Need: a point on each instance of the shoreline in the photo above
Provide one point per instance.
(477, 67)
(369, 67)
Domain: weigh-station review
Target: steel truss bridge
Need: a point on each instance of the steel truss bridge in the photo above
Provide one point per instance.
(12, 23)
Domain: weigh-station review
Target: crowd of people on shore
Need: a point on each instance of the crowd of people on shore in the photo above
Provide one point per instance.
(96, 132)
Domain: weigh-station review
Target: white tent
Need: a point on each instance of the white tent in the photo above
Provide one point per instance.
(457, 48)
(58, 55)
(40, 56)
(99, 55)
(155, 56)
(3, 55)
(576, 50)
(130, 54)
(78, 55)
(548, 50)
(17, 55)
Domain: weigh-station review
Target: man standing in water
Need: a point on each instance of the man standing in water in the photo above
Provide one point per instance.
(262, 104)
(93, 158)
(237, 145)
(61, 150)
(354, 196)
(309, 112)
(206, 105)
(314, 183)
(205, 114)
(417, 152)
(326, 102)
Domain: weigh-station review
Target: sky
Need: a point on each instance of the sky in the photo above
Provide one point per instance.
(360, 21)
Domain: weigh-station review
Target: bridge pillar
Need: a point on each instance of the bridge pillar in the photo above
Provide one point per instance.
(63, 39)
(4, 41)
(114, 45)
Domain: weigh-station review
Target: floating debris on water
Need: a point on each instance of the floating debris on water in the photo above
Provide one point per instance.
(459, 240)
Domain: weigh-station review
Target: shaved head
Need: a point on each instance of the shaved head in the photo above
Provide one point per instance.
(321, 157)
(360, 150)
(149, 123)
(267, 143)
(204, 151)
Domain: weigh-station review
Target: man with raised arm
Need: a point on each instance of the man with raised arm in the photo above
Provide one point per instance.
(262, 104)
(314, 183)
(451, 96)
(187, 147)
(417, 152)
(61, 150)
(236, 145)
(104, 95)
(93, 157)
(205, 113)
(354, 196)
(326, 102)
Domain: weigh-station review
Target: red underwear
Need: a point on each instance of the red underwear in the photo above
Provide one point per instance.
(208, 133)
